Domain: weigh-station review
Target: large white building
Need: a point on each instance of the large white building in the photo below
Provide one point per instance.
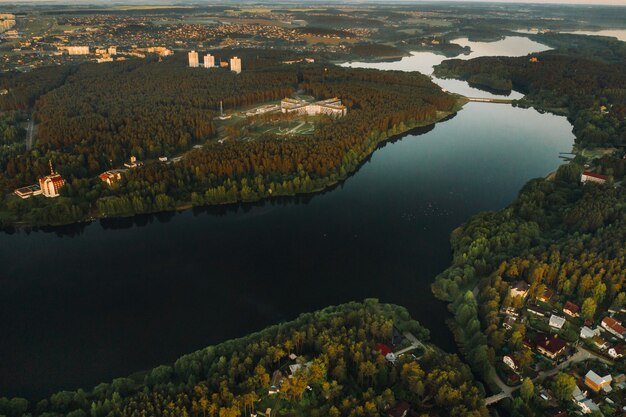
(209, 61)
(235, 65)
(193, 59)
(76, 50)
(332, 107)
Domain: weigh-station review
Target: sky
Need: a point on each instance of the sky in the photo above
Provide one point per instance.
(577, 2)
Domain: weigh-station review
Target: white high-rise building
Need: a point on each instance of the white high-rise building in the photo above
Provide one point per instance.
(193, 59)
(235, 65)
(209, 61)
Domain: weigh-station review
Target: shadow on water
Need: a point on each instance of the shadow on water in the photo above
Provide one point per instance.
(141, 220)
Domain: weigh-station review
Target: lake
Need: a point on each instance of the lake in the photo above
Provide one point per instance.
(425, 61)
(84, 304)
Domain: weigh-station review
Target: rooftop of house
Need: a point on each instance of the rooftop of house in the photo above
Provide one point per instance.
(569, 306)
(551, 343)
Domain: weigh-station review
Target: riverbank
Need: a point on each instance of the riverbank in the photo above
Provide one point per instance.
(374, 142)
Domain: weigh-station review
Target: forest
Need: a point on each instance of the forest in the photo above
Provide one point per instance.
(557, 234)
(341, 373)
(98, 118)
(587, 83)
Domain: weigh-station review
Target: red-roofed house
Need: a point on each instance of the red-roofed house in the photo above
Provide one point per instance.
(589, 176)
(571, 309)
(383, 349)
(550, 345)
(614, 326)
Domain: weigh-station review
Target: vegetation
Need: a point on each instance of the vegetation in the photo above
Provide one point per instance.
(341, 374)
(557, 234)
(101, 116)
(586, 85)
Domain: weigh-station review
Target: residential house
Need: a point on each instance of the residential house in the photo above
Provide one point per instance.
(571, 309)
(509, 360)
(616, 352)
(551, 345)
(547, 295)
(600, 342)
(589, 176)
(587, 332)
(557, 322)
(508, 322)
(615, 327)
(581, 400)
(519, 289)
(598, 383)
(537, 311)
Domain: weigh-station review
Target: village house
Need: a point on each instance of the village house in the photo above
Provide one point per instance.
(111, 177)
(616, 352)
(589, 176)
(547, 295)
(587, 332)
(550, 346)
(615, 327)
(537, 311)
(519, 289)
(401, 409)
(508, 322)
(600, 342)
(557, 322)
(571, 309)
(511, 362)
(598, 383)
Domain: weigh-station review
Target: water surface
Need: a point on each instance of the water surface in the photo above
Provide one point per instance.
(84, 304)
(425, 61)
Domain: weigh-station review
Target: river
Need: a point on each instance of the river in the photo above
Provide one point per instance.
(86, 303)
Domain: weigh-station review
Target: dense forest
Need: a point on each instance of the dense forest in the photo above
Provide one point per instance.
(588, 84)
(559, 235)
(101, 115)
(340, 372)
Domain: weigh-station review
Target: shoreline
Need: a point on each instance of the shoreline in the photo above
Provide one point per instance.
(441, 116)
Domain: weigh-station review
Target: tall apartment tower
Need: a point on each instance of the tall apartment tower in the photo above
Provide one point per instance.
(235, 65)
(193, 59)
(209, 61)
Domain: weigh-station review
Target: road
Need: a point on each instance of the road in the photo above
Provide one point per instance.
(581, 355)
(30, 134)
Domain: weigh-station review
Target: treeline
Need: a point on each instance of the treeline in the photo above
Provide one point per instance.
(557, 235)
(380, 104)
(341, 374)
(587, 86)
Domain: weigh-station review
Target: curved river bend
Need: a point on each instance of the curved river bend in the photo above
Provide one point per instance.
(84, 304)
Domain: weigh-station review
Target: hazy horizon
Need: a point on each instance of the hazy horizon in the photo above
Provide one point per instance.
(321, 2)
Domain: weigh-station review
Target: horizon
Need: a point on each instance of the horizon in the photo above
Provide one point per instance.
(618, 3)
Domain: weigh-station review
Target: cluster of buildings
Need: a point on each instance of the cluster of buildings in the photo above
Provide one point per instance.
(48, 186)
(7, 21)
(551, 333)
(209, 62)
(332, 107)
(594, 389)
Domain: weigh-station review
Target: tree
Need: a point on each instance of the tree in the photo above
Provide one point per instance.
(527, 389)
(588, 309)
(563, 386)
